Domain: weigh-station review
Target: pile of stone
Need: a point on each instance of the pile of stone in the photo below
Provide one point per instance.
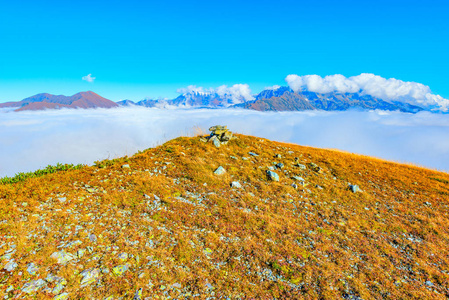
(220, 135)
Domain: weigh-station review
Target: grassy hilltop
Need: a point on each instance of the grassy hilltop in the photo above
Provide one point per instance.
(163, 225)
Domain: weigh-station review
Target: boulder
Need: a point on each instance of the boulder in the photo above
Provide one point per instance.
(220, 170)
(272, 175)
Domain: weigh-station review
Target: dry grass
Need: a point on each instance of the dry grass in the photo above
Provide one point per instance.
(201, 238)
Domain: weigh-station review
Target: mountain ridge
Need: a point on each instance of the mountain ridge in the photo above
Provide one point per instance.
(41, 101)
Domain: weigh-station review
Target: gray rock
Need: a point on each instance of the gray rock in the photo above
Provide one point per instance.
(93, 238)
(216, 143)
(272, 175)
(63, 296)
(279, 165)
(220, 170)
(138, 294)
(125, 166)
(354, 188)
(277, 155)
(429, 283)
(33, 286)
(32, 269)
(90, 276)
(253, 154)
(236, 184)
(301, 166)
(11, 265)
(299, 178)
(62, 257)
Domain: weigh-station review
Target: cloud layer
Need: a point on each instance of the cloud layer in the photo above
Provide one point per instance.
(32, 140)
(89, 78)
(387, 89)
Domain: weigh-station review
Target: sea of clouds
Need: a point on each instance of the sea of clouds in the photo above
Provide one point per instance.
(32, 140)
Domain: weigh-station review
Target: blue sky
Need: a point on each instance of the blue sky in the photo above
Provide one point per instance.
(137, 50)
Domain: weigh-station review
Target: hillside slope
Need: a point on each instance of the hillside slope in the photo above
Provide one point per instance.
(162, 224)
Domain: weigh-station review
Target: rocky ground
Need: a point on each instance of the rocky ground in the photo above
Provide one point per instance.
(228, 216)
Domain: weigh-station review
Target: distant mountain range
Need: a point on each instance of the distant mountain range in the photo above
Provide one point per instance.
(48, 101)
(280, 99)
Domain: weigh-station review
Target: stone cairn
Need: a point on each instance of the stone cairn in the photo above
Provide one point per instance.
(219, 135)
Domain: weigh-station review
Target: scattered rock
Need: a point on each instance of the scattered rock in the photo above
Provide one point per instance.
(90, 276)
(33, 286)
(32, 269)
(125, 166)
(279, 165)
(253, 154)
(277, 155)
(93, 238)
(220, 170)
(11, 265)
(272, 175)
(315, 167)
(354, 188)
(236, 184)
(123, 256)
(63, 296)
(119, 270)
(138, 294)
(301, 166)
(62, 257)
(299, 178)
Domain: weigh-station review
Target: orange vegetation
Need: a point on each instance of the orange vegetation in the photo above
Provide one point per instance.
(162, 225)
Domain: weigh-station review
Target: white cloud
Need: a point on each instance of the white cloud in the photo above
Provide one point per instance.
(192, 89)
(89, 78)
(387, 89)
(274, 87)
(32, 140)
(238, 93)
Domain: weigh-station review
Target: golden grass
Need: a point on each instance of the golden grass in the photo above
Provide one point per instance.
(200, 238)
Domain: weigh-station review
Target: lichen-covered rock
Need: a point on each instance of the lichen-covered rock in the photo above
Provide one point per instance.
(119, 270)
(62, 257)
(90, 276)
(138, 294)
(33, 286)
(63, 296)
(32, 269)
(10, 265)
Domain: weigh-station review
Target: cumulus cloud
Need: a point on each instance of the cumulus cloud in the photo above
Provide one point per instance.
(390, 89)
(89, 78)
(274, 87)
(192, 89)
(237, 93)
(32, 140)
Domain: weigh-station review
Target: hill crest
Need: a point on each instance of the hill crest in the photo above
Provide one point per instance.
(166, 223)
